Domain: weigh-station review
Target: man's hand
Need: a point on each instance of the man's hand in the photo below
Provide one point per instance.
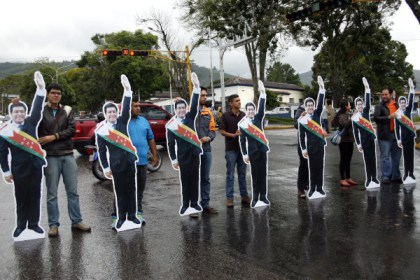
(195, 81)
(411, 84)
(237, 133)
(46, 139)
(108, 174)
(39, 80)
(16, 100)
(9, 179)
(155, 161)
(175, 166)
(261, 87)
(366, 84)
(303, 113)
(205, 139)
(392, 116)
(125, 83)
(305, 154)
(324, 132)
(321, 84)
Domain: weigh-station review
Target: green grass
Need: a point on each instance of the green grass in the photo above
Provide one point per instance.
(416, 119)
(277, 120)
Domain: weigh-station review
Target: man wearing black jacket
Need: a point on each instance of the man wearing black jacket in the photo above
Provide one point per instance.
(365, 136)
(112, 136)
(181, 132)
(312, 142)
(406, 133)
(19, 135)
(255, 153)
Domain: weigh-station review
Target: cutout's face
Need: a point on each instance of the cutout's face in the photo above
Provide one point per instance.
(18, 114)
(310, 107)
(235, 103)
(181, 110)
(403, 104)
(385, 95)
(250, 111)
(111, 114)
(359, 106)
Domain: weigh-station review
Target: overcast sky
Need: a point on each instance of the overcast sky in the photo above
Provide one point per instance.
(61, 30)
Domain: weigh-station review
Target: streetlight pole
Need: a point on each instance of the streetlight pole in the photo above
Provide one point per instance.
(56, 71)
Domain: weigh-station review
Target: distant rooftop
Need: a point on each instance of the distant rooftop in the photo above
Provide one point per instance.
(237, 81)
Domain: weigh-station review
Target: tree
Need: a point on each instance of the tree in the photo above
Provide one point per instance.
(272, 100)
(415, 8)
(229, 18)
(282, 73)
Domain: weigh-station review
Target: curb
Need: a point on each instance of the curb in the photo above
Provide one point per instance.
(276, 127)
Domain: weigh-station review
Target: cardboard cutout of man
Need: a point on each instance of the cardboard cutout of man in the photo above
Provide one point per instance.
(254, 147)
(365, 136)
(312, 142)
(184, 148)
(19, 138)
(112, 136)
(405, 132)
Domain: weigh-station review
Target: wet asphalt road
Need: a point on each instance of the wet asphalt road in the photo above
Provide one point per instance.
(352, 234)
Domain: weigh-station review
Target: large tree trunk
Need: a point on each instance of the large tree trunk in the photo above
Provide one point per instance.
(251, 55)
(415, 8)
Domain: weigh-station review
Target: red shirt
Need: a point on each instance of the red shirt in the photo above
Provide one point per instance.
(392, 107)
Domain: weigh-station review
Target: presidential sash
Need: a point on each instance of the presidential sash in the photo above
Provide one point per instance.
(184, 132)
(253, 131)
(312, 126)
(363, 124)
(405, 121)
(22, 140)
(116, 138)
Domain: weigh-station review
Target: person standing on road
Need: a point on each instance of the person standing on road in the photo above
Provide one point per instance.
(112, 137)
(406, 133)
(141, 136)
(19, 136)
(206, 131)
(303, 172)
(312, 142)
(229, 129)
(184, 148)
(365, 137)
(254, 147)
(55, 131)
(384, 115)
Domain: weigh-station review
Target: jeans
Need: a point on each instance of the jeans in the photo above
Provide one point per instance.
(205, 179)
(66, 166)
(390, 159)
(235, 158)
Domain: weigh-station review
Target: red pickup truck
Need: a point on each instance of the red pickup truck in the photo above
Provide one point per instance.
(155, 115)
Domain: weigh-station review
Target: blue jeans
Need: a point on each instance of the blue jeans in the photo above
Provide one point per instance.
(390, 160)
(205, 179)
(65, 165)
(235, 158)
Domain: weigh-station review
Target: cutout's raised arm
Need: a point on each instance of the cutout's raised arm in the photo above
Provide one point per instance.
(126, 100)
(195, 96)
(37, 104)
(367, 96)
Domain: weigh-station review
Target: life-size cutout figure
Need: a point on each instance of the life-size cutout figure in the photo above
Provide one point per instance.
(19, 138)
(405, 132)
(254, 147)
(112, 136)
(181, 133)
(365, 137)
(312, 142)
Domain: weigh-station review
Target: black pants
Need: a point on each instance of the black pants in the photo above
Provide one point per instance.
(369, 156)
(259, 176)
(28, 196)
(141, 185)
(189, 166)
(303, 173)
(408, 152)
(125, 189)
(346, 153)
(316, 167)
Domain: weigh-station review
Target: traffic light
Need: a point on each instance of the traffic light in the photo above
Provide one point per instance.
(139, 53)
(111, 53)
(317, 7)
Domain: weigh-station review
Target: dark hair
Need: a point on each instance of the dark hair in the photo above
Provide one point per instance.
(343, 104)
(231, 97)
(203, 88)
(249, 104)
(18, 104)
(135, 99)
(329, 102)
(54, 86)
(110, 105)
(181, 101)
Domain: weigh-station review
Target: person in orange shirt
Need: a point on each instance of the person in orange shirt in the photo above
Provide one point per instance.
(390, 152)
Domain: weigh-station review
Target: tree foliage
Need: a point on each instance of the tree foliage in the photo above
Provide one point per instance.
(282, 73)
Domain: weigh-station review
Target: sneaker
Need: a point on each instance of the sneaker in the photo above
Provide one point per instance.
(253, 203)
(386, 181)
(18, 231)
(246, 200)
(53, 231)
(194, 215)
(81, 227)
(229, 203)
(37, 229)
(397, 181)
(351, 182)
(301, 194)
(140, 217)
(210, 210)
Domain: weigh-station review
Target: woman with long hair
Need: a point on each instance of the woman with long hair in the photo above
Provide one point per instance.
(343, 121)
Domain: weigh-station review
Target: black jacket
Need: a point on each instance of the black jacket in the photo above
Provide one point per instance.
(62, 125)
(383, 123)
